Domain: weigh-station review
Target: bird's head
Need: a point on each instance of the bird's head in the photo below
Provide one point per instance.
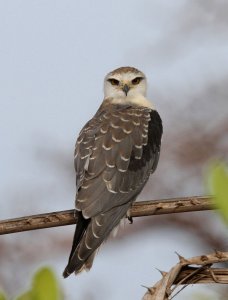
(125, 82)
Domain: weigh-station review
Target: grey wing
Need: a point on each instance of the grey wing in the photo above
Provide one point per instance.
(84, 147)
(115, 154)
(114, 159)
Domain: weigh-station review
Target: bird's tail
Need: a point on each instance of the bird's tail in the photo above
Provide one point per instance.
(89, 235)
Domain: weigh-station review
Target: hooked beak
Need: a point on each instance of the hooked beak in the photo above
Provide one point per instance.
(126, 89)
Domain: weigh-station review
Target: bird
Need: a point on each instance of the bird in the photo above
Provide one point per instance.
(115, 153)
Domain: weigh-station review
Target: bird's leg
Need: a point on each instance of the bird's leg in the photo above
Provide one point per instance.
(130, 219)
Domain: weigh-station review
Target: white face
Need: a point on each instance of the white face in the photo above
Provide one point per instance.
(125, 84)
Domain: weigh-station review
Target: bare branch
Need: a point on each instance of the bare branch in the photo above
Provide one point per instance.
(204, 275)
(183, 274)
(139, 209)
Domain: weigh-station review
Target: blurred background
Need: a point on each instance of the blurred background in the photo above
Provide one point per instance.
(53, 58)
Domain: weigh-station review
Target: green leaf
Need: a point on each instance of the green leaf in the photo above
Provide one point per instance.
(45, 286)
(218, 180)
(2, 296)
(25, 296)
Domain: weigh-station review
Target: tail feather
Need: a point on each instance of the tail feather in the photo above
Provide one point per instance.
(80, 229)
(89, 262)
(89, 236)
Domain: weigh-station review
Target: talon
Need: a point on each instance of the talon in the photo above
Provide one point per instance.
(130, 219)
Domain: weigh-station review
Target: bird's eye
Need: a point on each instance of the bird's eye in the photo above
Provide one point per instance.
(113, 81)
(136, 80)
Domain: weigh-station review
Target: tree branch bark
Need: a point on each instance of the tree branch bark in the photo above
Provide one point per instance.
(183, 273)
(139, 209)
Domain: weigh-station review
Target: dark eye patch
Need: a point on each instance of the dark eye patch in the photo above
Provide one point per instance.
(136, 80)
(113, 81)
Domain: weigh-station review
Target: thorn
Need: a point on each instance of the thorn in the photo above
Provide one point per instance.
(163, 273)
(181, 258)
(146, 287)
(151, 290)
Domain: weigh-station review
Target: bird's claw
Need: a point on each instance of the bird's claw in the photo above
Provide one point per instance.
(130, 219)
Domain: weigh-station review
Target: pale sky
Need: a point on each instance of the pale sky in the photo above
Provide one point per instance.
(53, 58)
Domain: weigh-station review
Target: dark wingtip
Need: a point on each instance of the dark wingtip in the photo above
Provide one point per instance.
(66, 273)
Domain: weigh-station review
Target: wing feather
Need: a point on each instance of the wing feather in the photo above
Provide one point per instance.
(115, 153)
(121, 157)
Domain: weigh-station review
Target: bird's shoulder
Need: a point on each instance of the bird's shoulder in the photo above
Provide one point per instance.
(113, 123)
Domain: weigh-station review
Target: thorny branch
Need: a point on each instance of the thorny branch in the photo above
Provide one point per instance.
(187, 271)
(139, 209)
(183, 273)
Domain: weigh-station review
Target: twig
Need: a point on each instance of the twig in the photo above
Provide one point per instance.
(208, 275)
(183, 274)
(139, 209)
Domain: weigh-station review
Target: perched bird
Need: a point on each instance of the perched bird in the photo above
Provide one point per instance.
(115, 153)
